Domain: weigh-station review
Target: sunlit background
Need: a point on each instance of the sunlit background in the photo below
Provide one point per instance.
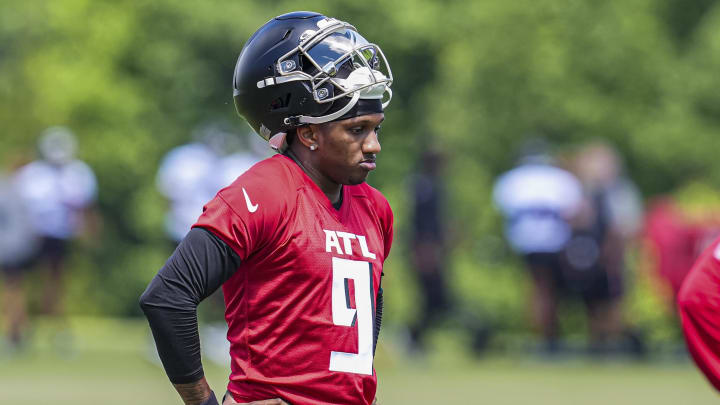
(476, 82)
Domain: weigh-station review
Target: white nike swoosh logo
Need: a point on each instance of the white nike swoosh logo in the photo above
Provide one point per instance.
(250, 206)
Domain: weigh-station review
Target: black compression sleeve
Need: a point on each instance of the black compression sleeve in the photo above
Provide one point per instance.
(378, 319)
(200, 264)
(378, 314)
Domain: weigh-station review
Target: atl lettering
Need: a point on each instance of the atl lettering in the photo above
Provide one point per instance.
(332, 243)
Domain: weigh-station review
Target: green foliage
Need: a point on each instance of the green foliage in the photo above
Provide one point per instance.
(132, 78)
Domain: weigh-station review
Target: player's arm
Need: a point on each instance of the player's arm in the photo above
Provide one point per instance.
(199, 266)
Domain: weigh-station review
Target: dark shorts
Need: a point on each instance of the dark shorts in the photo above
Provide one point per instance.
(546, 268)
(585, 273)
(593, 284)
(52, 249)
(543, 260)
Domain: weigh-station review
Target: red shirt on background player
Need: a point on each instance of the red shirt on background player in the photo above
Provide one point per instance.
(298, 241)
(699, 305)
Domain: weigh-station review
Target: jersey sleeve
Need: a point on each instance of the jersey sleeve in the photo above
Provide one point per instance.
(250, 212)
(699, 306)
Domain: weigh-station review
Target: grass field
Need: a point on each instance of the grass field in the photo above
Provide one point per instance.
(109, 366)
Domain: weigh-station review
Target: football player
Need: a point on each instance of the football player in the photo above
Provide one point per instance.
(299, 240)
(58, 193)
(699, 305)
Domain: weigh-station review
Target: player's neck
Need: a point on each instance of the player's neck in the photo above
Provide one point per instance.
(331, 189)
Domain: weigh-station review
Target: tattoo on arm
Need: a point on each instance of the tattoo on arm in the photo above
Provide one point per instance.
(194, 393)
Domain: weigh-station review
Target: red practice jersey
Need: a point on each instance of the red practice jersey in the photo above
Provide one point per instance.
(699, 304)
(301, 306)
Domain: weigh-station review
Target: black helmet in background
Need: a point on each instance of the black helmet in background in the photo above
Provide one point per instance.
(305, 68)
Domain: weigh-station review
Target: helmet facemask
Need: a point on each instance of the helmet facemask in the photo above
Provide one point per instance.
(348, 61)
(337, 63)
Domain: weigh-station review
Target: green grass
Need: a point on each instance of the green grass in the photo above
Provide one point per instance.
(109, 366)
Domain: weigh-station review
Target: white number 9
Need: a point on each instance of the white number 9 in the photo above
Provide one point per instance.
(362, 315)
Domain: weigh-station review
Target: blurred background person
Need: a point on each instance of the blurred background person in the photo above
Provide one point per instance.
(191, 174)
(675, 236)
(18, 243)
(428, 244)
(538, 200)
(429, 250)
(58, 192)
(607, 221)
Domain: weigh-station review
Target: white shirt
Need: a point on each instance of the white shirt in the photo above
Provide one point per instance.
(55, 195)
(537, 200)
(18, 239)
(190, 176)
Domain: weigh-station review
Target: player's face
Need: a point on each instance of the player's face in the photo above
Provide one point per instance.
(347, 149)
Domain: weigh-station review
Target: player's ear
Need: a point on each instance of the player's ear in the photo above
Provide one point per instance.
(307, 135)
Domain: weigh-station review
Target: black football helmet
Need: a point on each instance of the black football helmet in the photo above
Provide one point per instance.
(305, 68)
